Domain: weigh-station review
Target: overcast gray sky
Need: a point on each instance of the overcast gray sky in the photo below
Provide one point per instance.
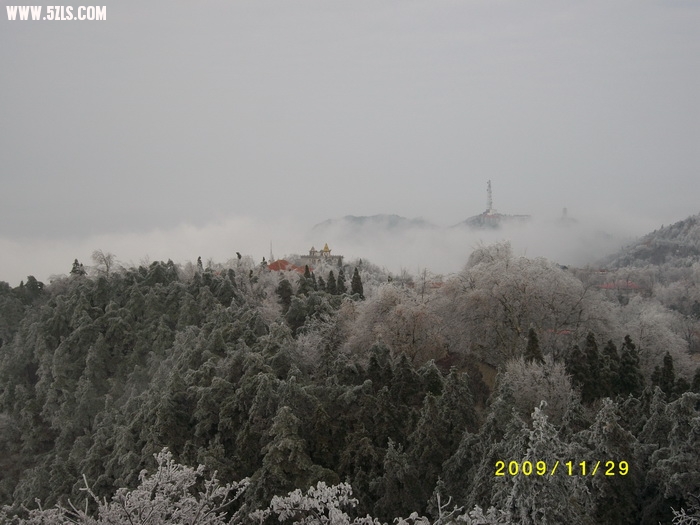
(205, 128)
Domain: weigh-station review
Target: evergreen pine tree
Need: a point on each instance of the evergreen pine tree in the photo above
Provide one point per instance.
(428, 450)
(284, 292)
(397, 488)
(681, 387)
(610, 373)
(340, 284)
(379, 369)
(77, 268)
(356, 285)
(667, 378)
(532, 351)
(616, 496)
(286, 465)
(656, 376)
(672, 459)
(361, 463)
(695, 309)
(631, 380)
(592, 388)
(575, 419)
(303, 285)
(33, 289)
(695, 386)
(431, 378)
(534, 500)
(296, 314)
(331, 285)
(443, 421)
(576, 366)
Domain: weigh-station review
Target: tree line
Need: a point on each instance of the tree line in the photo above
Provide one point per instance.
(410, 397)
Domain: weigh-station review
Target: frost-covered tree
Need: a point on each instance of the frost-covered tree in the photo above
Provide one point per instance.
(319, 505)
(655, 331)
(491, 305)
(689, 516)
(397, 488)
(304, 284)
(673, 477)
(537, 499)
(397, 318)
(103, 261)
(174, 493)
(615, 494)
(535, 382)
(286, 464)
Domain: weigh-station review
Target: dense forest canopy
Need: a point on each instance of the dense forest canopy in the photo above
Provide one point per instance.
(358, 392)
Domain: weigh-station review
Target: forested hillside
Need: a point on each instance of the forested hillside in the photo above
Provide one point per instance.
(675, 245)
(399, 391)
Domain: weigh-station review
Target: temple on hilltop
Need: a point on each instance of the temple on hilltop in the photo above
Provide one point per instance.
(321, 256)
(491, 218)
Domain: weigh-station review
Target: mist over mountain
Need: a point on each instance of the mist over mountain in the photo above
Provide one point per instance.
(397, 242)
(391, 241)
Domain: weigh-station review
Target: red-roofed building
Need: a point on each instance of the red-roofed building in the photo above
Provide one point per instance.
(623, 289)
(621, 285)
(282, 265)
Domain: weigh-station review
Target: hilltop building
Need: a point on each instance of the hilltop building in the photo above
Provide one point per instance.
(283, 265)
(321, 256)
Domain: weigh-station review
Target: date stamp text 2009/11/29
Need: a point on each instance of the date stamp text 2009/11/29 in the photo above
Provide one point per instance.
(570, 468)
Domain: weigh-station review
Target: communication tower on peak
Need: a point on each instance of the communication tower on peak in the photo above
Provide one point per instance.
(489, 199)
(491, 218)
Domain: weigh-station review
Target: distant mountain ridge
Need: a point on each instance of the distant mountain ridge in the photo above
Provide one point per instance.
(677, 244)
(383, 221)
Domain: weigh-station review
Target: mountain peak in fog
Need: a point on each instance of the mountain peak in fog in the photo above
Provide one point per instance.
(381, 221)
(490, 218)
(677, 244)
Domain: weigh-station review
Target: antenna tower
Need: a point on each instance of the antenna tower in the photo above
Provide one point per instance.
(489, 199)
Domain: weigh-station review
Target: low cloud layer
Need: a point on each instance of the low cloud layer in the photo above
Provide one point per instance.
(439, 249)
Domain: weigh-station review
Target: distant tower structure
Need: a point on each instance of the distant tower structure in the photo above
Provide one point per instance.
(491, 218)
(565, 219)
(489, 199)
